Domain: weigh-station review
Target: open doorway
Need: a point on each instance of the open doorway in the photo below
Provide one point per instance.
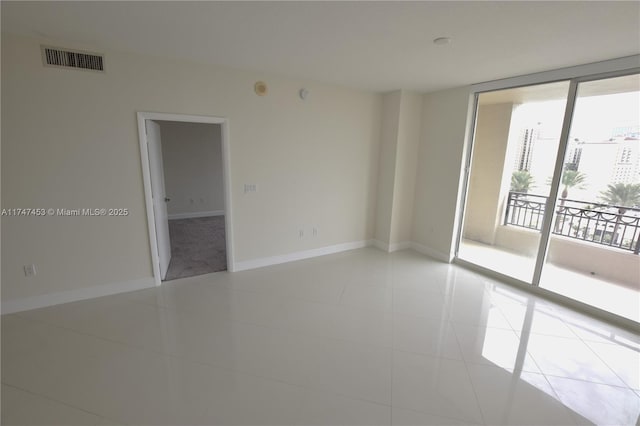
(194, 189)
(185, 168)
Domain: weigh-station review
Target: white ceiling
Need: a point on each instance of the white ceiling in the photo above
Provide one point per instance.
(377, 46)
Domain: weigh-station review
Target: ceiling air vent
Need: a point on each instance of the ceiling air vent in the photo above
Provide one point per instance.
(57, 57)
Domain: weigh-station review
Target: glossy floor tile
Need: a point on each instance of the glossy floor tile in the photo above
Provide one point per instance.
(357, 338)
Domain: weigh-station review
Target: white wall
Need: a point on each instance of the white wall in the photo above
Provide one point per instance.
(192, 156)
(69, 139)
(400, 136)
(387, 168)
(485, 194)
(406, 167)
(438, 179)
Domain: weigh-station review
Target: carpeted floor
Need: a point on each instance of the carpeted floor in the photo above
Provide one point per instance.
(197, 247)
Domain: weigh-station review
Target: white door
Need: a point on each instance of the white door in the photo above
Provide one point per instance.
(154, 146)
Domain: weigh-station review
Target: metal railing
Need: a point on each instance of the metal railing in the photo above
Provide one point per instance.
(612, 226)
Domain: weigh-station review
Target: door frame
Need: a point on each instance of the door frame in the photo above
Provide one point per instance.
(146, 178)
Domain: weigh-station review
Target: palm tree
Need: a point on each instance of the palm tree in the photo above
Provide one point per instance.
(570, 179)
(623, 196)
(521, 181)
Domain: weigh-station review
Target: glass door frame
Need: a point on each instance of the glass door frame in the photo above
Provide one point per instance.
(551, 206)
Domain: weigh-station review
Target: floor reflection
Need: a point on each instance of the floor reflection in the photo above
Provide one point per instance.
(363, 337)
(591, 369)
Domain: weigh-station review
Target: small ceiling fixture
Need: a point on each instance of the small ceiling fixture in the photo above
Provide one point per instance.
(260, 88)
(303, 93)
(440, 41)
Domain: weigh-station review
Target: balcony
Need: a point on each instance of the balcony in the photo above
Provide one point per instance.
(592, 255)
(610, 226)
(622, 298)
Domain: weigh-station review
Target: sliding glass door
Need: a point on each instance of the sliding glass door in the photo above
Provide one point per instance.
(515, 146)
(593, 249)
(553, 191)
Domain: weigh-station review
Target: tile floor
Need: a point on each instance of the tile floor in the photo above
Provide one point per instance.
(356, 338)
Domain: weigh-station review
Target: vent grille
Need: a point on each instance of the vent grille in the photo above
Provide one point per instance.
(57, 57)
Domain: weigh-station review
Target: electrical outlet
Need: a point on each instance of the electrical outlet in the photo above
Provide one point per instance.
(29, 270)
(250, 187)
(301, 233)
(315, 232)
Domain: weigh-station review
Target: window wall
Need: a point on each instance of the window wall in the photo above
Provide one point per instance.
(553, 190)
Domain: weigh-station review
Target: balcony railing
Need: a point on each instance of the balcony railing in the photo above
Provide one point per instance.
(594, 223)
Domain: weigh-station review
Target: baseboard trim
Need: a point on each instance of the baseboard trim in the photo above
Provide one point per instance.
(299, 255)
(391, 247)
(196, 214)
(41, 301)
(403, 245)
(380, 245)
(428, 251)
(35, 302)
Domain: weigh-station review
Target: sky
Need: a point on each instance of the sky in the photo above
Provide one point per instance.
(594, 117)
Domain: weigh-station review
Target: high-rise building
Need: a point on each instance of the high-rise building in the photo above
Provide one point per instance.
(574, 154)
(627, 166)
(526, 148)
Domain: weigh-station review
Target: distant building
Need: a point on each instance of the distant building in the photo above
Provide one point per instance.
(615, 160)
(526, 147)
(608, 162)
(627, 166)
